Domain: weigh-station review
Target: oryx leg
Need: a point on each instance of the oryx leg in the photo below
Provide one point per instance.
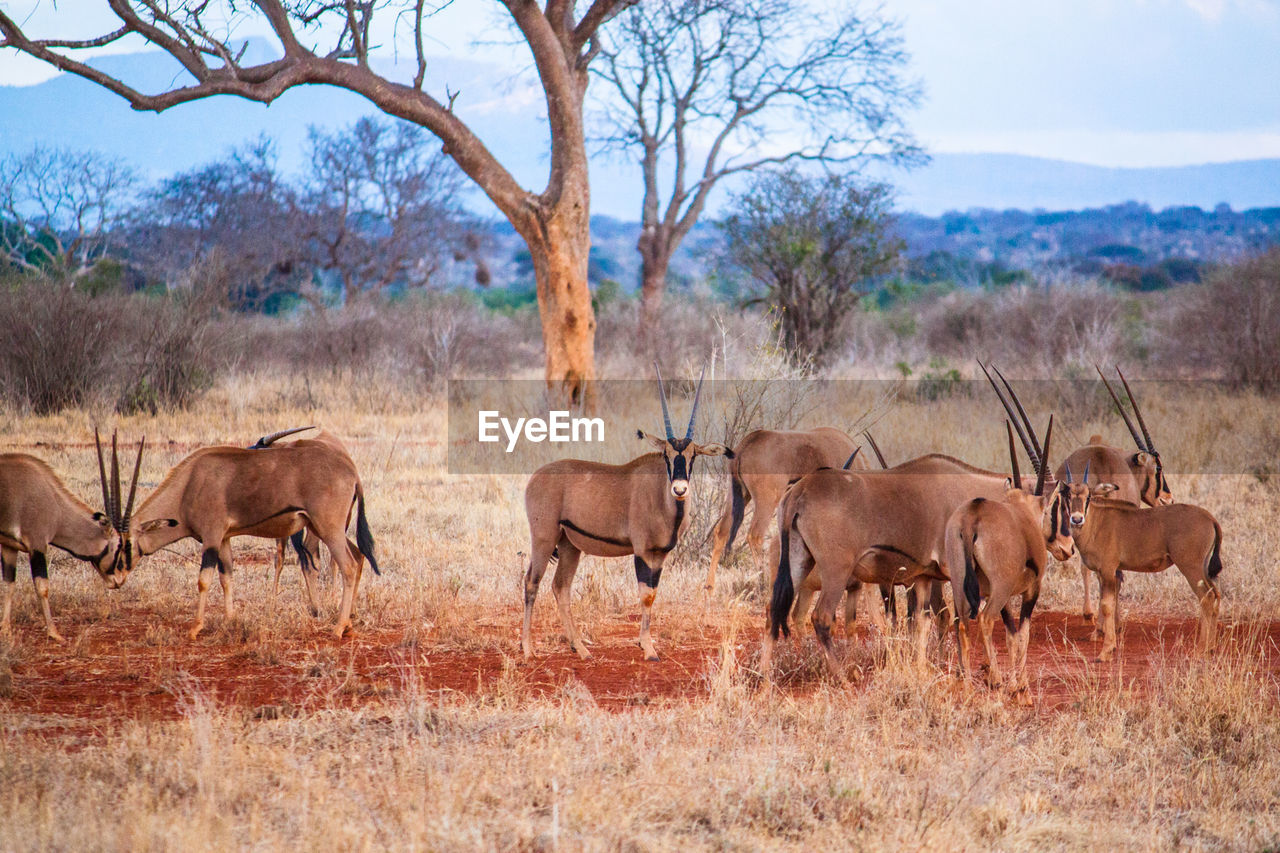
(9, 568)
(647, 586)
(1087, 611)
(767, 498)
(986, 624)
(308, 568)
(275, 588)
(823, 619)
(541, 553)
(853, 592)
(720, 537)
(225, 579)
(340, 552)
(1206, 591)
(561, 583)
(1021, 683)
(210, 564)
(40, 578)
(1107, 606)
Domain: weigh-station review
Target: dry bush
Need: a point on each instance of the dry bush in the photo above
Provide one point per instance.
(1046, 328)
(1230, 326)
(69, 349)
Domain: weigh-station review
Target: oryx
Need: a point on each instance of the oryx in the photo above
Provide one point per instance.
(577, 507)
(38, 512)
(764, 463)
(1114, 536)
(996, 550)
(216, 493)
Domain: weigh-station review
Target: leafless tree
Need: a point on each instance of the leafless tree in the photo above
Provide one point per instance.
(706, 89)
(58, 208)
(329, 42)
(813, 243)
(384, 205)
(234, 224)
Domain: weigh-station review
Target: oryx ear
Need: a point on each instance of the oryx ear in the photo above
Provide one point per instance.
(712, 450)
(1096, 438)
(1140, 459)
(1105, 490)
(156, 524)
(1008, 484)
(101, 518)
(652, 439)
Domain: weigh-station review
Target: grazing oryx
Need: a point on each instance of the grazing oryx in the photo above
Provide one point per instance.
(1114, 536)
(220, 492)
(763, 464)
(881, 527)
(36, 512)
(577, 507)
(996, 550)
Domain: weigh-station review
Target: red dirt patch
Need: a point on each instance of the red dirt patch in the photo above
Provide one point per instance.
(141, 666)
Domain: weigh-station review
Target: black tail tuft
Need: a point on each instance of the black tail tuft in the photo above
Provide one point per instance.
(298, 541)
(364, 538)
(1215, 556)
(738, 504)
(784, 592)
(972, 592)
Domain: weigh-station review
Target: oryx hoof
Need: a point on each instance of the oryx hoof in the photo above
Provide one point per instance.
(56, 637)
(583, 654)
(1089, 616)
(341, 628)
(194, 632)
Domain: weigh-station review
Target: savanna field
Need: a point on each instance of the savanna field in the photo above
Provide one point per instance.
(425, 729)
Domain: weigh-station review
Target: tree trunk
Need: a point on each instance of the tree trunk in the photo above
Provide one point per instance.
(655, 259)
(559, 246)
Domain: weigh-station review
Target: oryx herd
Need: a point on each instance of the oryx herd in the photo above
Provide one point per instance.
(929, 524)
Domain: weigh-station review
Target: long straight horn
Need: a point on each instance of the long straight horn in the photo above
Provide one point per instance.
(115, 481)
(1067, 465)
(1026, 421)
(875, 448)
(133, 487)
(1133, 431)
(852, 456)
(1009, 410)
(1013, 456)
(268, 440)
(662, 395)
(1044, 461)
(102, 477)
(1151, 448)
(697, 396)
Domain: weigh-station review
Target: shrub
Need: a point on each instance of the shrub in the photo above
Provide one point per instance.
(1231, 325)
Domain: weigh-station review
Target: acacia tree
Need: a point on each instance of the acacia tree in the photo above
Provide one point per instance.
(813, 244)
(706, 89)
(58, 208)
(328, 42)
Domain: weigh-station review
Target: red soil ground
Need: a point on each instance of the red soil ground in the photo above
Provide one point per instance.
(140, 666)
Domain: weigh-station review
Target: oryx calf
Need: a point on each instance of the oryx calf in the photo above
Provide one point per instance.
(36, 512)
(1115, 536)
(996, 550)
(577, 507)
(216, 493)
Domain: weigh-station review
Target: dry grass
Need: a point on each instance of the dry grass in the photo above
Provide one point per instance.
(1188, 760)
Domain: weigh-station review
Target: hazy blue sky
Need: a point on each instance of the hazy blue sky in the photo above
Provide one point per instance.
(1109, 82)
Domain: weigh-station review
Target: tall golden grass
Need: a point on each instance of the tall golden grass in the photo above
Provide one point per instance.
(1186, 759)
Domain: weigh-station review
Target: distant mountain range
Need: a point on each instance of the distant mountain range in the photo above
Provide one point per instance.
(508, 114)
